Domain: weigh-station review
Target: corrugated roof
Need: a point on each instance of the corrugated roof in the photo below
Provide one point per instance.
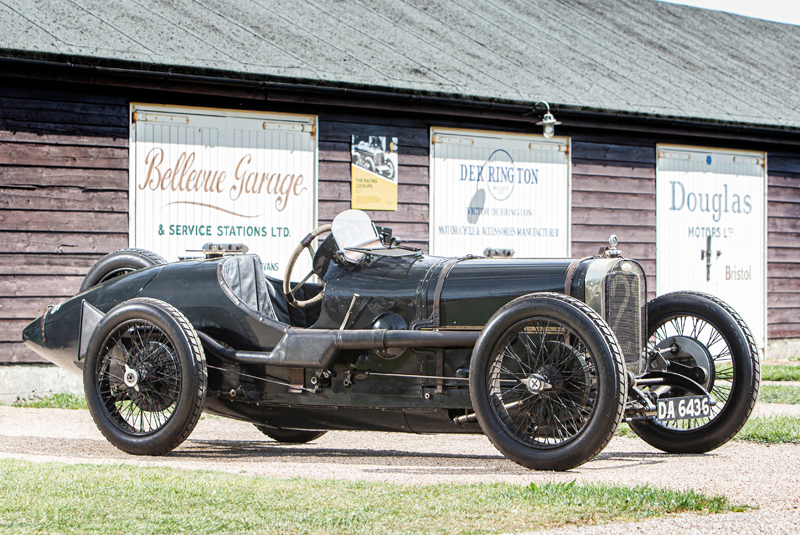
(632, 56)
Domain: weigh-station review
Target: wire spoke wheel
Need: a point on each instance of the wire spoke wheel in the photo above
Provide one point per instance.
(145, 377)
(718, 363)
(543, 383)
(139, 377)
(547, 382)
(712, 336)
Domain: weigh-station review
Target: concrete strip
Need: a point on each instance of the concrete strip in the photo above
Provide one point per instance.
(776, 409)
(35, 381)
(774, 522)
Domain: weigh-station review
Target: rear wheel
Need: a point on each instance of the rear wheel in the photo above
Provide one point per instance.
(369, 164)
(711, 335)
(119, 263)
(389, 170)
(547, 382)
(290, 436)
(145, 377)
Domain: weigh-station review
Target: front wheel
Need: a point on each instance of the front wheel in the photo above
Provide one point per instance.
(145, 377)
(712, 336)
(548, 382)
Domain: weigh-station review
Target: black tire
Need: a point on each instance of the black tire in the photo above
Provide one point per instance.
(734, 377)
(573, 397)
(389, 170)
(368, 163)
(290, 436)
(145, 377)
(119, 263)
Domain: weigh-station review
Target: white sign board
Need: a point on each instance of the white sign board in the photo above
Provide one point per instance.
(201, 175)
(499, 191)
(711, 228)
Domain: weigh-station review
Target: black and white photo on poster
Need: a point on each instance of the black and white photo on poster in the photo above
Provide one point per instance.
(376, 154)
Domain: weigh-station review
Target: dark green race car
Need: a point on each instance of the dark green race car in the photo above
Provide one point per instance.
(544, 356)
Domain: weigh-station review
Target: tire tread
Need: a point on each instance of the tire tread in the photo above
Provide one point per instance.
(616, 350)
(618, 366)
(101, 268)
(200, 370)
(200, 361)
(681, 446)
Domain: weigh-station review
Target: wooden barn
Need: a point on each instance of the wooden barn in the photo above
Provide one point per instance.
(679, 131)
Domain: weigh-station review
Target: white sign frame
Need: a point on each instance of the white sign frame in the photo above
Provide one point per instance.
(270, 122)
(757, 158)
(534, 142)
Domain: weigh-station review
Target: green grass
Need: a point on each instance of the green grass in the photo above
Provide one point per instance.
(771, 430)
(780, 372)
(50, 498)
(779, 394)
(625, 431)
(764, 430)
(56, 401)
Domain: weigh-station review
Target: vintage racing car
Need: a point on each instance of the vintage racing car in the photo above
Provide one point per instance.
(544, 356)
(372, 156)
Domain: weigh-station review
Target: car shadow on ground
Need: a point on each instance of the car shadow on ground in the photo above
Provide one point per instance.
(394, 460)
(386, 459)
(312, 453)
(260, 449)
(625, 459)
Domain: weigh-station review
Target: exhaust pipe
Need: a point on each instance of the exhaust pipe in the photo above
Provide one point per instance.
(310, 348)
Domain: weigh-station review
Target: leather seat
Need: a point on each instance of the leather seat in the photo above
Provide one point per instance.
(296, 317)
(244, 275)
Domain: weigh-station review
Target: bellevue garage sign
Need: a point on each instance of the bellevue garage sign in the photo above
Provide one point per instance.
(201, 176)
(184, 178)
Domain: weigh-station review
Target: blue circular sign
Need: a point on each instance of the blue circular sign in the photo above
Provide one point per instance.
(498, 173)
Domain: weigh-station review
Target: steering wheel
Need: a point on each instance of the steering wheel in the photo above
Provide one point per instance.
(288, 291)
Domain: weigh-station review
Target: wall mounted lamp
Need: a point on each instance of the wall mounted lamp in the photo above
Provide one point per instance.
(548, 122)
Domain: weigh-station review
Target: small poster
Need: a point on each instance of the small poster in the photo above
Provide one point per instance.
(374, 173)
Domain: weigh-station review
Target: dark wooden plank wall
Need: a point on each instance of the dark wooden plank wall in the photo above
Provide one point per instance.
(783, 245)
(410, 221)
(614, 192)
(64, 196)
(63, 200)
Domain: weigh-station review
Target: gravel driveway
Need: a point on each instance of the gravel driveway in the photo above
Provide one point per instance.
(764, 476)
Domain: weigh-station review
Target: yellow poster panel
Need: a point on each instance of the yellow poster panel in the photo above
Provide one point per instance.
(372, 192)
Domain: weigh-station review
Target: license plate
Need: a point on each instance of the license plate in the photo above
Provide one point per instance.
(685, 408)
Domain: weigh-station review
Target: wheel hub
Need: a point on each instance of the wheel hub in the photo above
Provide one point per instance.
(536, 383)
(131, 377)
(691, 353)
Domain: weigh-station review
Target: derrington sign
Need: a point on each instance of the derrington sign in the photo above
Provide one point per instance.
(198, 177)
(499, 191)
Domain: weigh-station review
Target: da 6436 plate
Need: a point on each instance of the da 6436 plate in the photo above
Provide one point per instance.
(685, 408)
